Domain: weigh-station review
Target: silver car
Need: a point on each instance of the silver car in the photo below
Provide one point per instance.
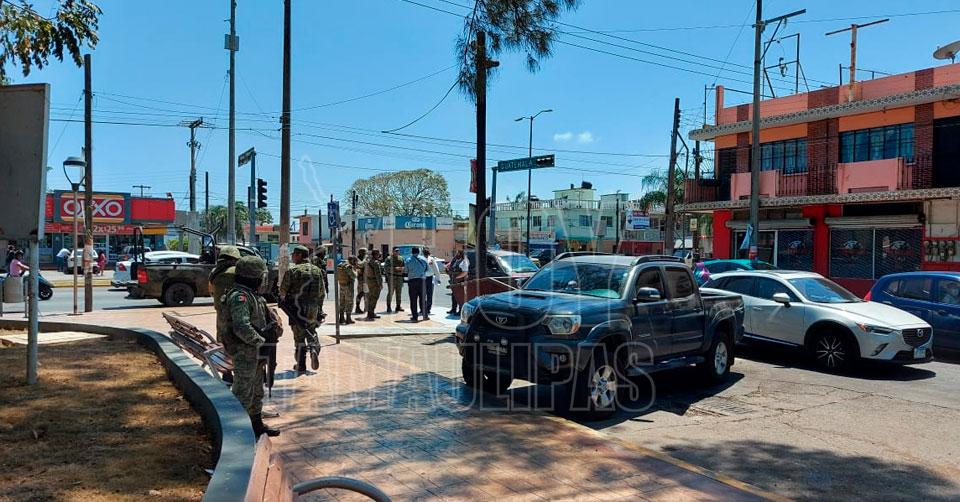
(805, 309)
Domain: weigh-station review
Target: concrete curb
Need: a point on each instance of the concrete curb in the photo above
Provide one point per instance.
(97, 283)
(716, 476)
(225, 417)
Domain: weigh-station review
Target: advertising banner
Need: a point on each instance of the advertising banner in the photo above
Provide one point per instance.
(637, 220)
(107, 207)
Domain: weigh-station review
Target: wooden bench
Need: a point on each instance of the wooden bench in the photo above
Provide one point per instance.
(201, 345)
(269, 481)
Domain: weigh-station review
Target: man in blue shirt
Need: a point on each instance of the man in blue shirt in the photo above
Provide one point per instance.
(415, 268)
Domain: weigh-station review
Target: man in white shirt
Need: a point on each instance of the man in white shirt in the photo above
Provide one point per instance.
(432, 278)
(62, 259)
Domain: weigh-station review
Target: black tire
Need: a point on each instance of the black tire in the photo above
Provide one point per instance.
(719, 359)
(46, 292)
(834, 351)
(178, 294)
(597, 388)
(492, 382)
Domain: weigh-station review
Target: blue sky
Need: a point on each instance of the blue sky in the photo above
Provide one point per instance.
(163, 62)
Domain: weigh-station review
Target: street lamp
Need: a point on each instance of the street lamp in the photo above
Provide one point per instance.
(530, 169)
(75, 162)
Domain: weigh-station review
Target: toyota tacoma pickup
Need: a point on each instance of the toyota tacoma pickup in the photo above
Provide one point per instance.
(589, 322)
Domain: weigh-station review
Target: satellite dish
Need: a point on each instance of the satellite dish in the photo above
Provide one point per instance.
(948, 51)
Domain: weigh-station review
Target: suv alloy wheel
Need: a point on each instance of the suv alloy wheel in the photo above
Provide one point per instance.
(596, 388)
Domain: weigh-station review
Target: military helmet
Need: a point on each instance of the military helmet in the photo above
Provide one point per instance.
(229, 252)
(252, 267)
(300, 248)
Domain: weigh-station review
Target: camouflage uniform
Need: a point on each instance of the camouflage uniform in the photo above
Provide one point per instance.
(394, 280)
(373, 276)
(320, 260)
(301, 286)
(346, 277)
(361, 262)
(221, 281)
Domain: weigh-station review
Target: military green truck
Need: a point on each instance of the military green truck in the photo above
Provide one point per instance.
(177, 284)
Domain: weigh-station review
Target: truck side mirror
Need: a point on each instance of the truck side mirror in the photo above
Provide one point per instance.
(648, 295)
(782, 298)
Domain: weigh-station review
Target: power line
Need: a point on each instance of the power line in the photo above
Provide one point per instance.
(428, 112)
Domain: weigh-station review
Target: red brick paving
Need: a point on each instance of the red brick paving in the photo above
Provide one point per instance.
(420, 436)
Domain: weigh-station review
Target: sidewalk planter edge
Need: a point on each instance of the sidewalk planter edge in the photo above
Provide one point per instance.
(226, 419)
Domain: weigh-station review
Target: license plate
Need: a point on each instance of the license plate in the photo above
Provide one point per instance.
(496, 350)
(919, 353)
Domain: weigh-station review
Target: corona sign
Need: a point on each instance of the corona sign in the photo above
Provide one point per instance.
(107, 208)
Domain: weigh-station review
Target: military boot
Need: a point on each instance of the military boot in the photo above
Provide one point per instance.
(349, 320)
(260, 428)
(315, 358)
(301, 366)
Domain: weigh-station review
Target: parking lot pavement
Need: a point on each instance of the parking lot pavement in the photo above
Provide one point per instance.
(881, 432)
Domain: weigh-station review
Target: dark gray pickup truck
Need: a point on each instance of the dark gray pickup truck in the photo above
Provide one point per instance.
(590, 322)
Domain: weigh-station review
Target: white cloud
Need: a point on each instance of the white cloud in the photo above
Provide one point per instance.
(563, 137)
(585, 137)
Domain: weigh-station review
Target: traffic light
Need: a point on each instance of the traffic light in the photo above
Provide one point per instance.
(261, 193)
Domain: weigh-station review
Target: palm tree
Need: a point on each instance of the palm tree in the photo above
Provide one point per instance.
(217, 224)
(655, 186)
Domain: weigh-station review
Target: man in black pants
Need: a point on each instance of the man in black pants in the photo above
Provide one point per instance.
(415, 268)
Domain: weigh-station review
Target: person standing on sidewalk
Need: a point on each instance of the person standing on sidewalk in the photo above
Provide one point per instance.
(346, 277)
(221, 281)
(458, 270)
(300, 291)
(394, 270)
(247, 321)
(62, 259)
(102, 261)
(431, 280)
(416, 270)
(319, 259)
(373, 275)
(361, 283)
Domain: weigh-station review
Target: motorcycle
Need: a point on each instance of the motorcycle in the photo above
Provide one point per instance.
(46, 289)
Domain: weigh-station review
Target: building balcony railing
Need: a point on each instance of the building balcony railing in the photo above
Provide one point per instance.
(886, 175)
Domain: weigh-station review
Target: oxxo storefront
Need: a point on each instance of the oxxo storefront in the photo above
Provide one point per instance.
(115, 216)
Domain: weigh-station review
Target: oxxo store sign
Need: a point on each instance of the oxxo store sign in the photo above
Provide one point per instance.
(109, 209)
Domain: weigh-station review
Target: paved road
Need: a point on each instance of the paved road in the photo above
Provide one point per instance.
(778, 423)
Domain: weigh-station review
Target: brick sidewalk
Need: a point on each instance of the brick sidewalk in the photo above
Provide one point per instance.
(419, 435)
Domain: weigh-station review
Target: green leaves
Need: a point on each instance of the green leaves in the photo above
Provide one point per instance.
(420, 192)
(30, 40)
(218, 220)
(514, 25)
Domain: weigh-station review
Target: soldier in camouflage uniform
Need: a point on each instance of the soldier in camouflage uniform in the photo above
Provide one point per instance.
(247, 321)
(373, 276)
(319, 259)
(393, 267)
(361, 263)
(221, 281)
(346, 277)
(300, 289)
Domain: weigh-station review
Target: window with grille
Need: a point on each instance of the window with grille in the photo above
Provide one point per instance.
(874, 253)
(586, 220)
(795, 250)
(877, 143)
(789, 156)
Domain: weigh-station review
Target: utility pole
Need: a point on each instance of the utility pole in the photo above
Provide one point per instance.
(353, 225)
(232, 45)
(697, 160)
(141, 187)
(482, 65)
(616, 216)
(671, 180)
(853, 53)
(754, 229)
(88, 185)
(285, 145)
(194, 146)
(206, 201)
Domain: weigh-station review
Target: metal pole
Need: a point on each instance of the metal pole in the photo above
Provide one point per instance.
(492, 231)
(285, 144)
(33, 284)
(88, 185)
(73, 252)
(251, 200)
(616, 216)
(232, 140)
(755, 137)
(206, 202)
(482, 66)
(353, 224)
(529, 178)
(669, 215)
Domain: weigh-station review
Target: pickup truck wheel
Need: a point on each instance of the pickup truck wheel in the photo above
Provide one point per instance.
(833, 352)
(487, 381)
(596, 388)
(718, 359)
(178, 294)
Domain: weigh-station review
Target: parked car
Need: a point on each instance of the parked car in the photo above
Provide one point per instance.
(79, 254)
(707, 268)
(121, 272)
(805, 309)
(588, 321)
(504, 264)
(931, 296)
(543, 256)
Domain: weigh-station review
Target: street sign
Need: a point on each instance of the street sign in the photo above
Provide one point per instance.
(333, 215)
(245, 157)
(505, 166)
(693, 224)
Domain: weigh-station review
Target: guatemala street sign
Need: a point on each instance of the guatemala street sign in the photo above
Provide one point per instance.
(525, 163)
